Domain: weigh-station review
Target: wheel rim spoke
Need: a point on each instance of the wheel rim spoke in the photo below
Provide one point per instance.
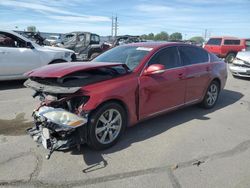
(103, 119)
(100, 129)
(111, 112)
(212, 94)
(111, 136)
(117, 117)
(104, 136)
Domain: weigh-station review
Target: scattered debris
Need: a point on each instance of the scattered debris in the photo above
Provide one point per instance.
(174, 167)
(198, 162)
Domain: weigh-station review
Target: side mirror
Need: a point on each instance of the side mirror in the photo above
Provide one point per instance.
(29, 45)
(154, 69)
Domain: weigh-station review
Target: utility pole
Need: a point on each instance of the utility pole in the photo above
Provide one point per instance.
(114, 26)
(205, 36)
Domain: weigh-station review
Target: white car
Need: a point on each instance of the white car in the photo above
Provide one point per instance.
(241, 65)
(19, 55)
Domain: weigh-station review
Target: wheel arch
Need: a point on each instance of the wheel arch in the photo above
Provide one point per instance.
(231, 52)
(218, 81)
(57, 61)
(118, 101)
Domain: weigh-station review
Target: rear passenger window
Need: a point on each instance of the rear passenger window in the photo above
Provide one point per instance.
(168, 57)
(232, 42)
(193, 55)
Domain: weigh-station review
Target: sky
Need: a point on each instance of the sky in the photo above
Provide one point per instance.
(135, 17)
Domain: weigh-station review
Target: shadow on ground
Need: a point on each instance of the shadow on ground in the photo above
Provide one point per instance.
(150, 128)
(13, 84)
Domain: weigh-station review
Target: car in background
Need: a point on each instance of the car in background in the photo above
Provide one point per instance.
(126, 39)
(241, 65)
(53, 40)
(227, 47)
(94, 102)
(85, 44)
(19, 55)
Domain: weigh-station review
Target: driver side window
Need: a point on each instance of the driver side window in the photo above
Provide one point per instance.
(168, 57)
(10, 41)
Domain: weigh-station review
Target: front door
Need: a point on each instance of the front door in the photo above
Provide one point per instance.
(163, 91)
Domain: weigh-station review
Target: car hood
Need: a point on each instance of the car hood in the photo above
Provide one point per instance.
(245, 56)
(62, 69)
(57, 49)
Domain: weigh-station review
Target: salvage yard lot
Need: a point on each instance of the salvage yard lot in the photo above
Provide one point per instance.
(191, 147)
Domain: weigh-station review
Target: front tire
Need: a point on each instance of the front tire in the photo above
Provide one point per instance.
(211, 96)
(230, 57)
(106, 126)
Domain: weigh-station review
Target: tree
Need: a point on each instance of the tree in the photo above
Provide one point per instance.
(31, 28)
(151, 36)
(197, 39)
(175, 36)
(144, 36)
(161, 36)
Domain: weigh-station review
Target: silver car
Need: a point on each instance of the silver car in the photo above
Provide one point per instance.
(241, 65)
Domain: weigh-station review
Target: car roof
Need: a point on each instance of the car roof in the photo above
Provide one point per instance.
(155, 44)
(224, 37)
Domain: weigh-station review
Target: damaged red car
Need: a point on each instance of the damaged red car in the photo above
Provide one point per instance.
(93, 102)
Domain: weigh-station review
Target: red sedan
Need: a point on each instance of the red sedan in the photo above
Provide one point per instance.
(93, 102)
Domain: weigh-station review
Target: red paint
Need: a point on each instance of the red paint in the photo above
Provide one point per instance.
(223, 50)
(144, 94)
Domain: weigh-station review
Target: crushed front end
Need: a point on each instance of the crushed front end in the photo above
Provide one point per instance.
(59, 123)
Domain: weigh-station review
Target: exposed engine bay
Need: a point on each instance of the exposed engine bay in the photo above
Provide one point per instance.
(60, 122)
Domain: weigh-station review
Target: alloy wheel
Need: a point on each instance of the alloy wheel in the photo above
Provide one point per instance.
(212, 94)
(108, 126)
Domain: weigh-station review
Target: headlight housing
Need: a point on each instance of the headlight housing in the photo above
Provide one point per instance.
(238, 61)
(61, 117)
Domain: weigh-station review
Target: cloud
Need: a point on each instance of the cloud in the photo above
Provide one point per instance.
(153, 8)
(56, 12)
(81, 18)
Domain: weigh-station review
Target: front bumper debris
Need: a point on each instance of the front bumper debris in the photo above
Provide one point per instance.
(56, 136)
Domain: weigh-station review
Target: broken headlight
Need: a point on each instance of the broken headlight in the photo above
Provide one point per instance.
(61, 117)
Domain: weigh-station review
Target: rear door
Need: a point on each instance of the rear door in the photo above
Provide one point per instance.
(160, 92)
(198, 70)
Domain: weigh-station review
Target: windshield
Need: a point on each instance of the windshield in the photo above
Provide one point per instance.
(214, 41)
(129, 55)
(69, 37)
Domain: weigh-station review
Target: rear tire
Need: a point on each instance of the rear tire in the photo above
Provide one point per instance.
(211, 95)
(230, 57)
(106, 125)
